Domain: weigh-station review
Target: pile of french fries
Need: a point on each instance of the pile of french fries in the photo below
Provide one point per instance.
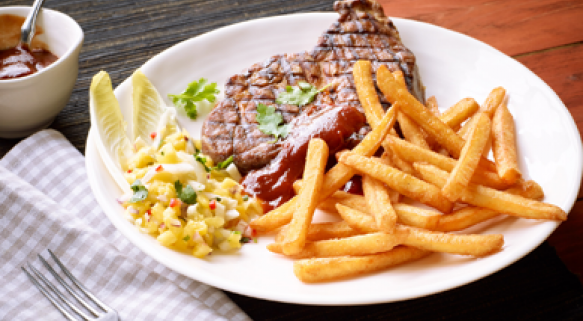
(440, 163)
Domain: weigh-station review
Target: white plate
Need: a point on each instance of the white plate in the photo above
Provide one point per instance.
(453, 66)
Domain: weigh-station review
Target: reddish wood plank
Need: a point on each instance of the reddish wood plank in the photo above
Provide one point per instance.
(514, 27)
(568, 242)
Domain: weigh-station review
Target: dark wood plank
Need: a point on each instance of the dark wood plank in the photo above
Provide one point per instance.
(514, 27)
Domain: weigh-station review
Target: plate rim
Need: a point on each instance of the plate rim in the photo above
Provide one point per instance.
(294, 299)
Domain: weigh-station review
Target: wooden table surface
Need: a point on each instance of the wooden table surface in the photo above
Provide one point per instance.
(544, 35)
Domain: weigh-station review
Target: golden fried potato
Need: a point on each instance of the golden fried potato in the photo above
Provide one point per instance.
(399, 181)
(295, 236)
(464, 169)
(504, 145)
(328, 269)
(502, 202)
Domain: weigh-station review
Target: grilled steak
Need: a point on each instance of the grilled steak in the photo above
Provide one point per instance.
(361, 32)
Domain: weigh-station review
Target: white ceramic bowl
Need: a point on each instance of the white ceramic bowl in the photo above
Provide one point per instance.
(31, 103)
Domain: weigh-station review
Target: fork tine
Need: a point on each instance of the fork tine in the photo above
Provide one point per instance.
(68, 288)
(48, 295)
(57, 292)
(78, 284)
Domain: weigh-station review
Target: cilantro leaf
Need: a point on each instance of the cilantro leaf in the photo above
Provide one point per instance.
(186, 238)
(186, 194)
(140, 192)
(303, 94)
(195, 91)
(224, 164)
(270, 122)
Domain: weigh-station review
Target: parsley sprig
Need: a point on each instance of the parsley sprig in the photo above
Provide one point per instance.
(270, 122)
(194, 92)
(186, 194)
(140, 191)
(300, 95)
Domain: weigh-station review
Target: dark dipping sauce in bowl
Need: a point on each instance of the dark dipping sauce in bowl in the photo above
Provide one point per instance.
(273, 184)
(21, 61)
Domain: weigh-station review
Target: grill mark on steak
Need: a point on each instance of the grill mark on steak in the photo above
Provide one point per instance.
(362, 31)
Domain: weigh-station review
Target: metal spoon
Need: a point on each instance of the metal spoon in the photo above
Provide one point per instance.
(29, 27)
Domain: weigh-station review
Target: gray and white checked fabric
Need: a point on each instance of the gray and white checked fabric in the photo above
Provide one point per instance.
(46, 203)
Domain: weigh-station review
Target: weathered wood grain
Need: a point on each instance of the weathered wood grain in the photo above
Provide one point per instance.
(514, 27)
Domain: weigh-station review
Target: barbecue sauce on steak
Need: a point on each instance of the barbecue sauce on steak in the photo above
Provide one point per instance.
(273, 183)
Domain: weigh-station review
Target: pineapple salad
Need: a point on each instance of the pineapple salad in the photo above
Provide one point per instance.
(175, 193)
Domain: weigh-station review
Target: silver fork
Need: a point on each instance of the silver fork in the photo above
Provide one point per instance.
(51, 292)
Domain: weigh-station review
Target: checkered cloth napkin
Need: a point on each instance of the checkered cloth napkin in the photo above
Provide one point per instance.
(46, 203)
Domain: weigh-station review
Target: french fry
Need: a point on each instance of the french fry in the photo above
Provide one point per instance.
(353, 245)
(463, 244)
(459, 112)
(416, 216)
(393, 195)
(387, 84)
(391, 89)
(399, 181)
(295, 237)
(444, 135)
(328, 269)
(412, 154)
(463, 218)
(394, 160)
(470, 215)
(334, 179)
(379, 202)
(400, 79)
(464, 131)
(529, 189)
(411, 132)
(431, 104)
(494, 99)
(330, 230)
(406, 214)
(504, 144)
(502, 202)
(367, 94)
(464, 169)
(323, 231)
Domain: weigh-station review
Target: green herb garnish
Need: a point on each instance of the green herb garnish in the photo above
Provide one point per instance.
(245, 198)
(186, 194)
(195, 91)
(244, 239)
(300, 95)
(186, 238)
(140, 192)
(270, 122)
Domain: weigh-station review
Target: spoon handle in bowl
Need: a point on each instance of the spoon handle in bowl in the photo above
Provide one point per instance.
(29, 27)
